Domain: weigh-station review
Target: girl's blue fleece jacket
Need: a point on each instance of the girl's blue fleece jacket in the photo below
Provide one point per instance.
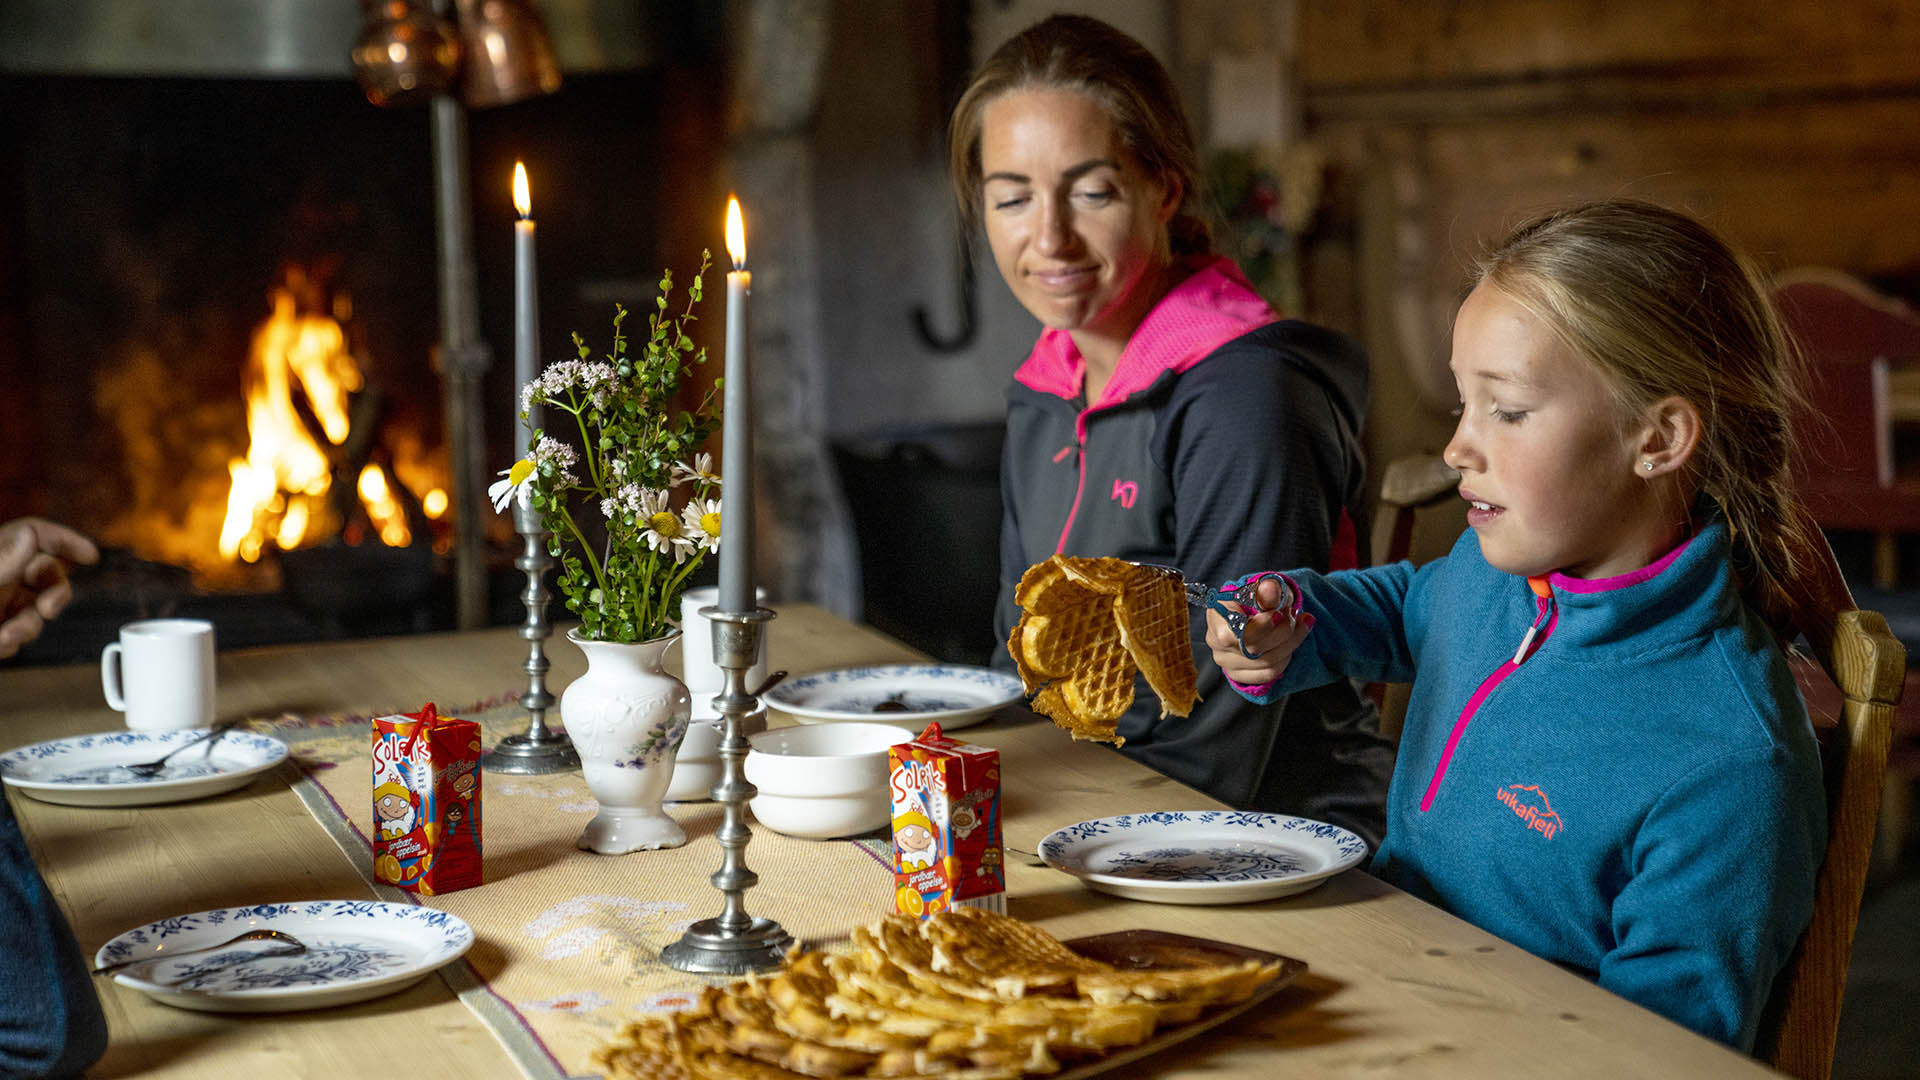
(1638, 797)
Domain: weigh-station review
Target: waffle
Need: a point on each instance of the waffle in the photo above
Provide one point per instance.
(1087, 626)
(1152, 613)
(965, 995)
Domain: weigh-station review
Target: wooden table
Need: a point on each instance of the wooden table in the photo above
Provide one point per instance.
(1395, 985)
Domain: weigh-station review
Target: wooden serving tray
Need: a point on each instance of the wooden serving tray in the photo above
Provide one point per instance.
(1142, 949)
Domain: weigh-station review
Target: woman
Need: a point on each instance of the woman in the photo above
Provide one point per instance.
(1166, 414)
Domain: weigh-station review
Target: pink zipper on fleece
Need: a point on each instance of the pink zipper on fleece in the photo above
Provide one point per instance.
(1535, 637)
(1079, 487)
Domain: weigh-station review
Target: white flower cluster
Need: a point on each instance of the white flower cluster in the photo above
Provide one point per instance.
(550, 454)
(594, 379)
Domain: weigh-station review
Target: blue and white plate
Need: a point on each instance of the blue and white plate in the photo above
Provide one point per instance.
(1202, 856)
(906, 695)
(91, 770)
(356, 949)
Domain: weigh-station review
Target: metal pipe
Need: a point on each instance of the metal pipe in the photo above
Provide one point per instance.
(461, 357)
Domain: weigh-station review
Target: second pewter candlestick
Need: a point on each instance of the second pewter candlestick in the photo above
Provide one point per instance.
(540, 749)
(733, 942)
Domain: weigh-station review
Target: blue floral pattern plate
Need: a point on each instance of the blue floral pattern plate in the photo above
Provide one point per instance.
(91, 770)
(1202, 856)
(356, 949)
(907, 695)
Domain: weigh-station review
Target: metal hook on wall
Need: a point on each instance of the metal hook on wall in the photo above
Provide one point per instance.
(969, 316)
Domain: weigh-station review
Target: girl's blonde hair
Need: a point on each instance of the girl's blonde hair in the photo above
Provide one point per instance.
(1665, 308)
(1086, 56)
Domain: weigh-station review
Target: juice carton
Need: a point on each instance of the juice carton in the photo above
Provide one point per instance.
(946, 825)
(426, 801)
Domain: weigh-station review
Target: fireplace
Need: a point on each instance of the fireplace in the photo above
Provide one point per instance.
(217, 320)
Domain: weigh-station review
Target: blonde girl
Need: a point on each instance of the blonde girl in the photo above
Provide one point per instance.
(1605, 760)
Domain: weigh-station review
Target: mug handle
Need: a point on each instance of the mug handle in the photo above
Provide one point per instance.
(110, 678)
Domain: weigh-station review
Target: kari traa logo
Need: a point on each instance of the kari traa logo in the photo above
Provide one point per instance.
(1530, 804)
(1125, 492)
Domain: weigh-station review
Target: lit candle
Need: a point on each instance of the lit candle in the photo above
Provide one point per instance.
(526, 301)
(736, 446)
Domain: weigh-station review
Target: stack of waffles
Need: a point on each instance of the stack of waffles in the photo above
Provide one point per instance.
(1086, 626)
(964, 995)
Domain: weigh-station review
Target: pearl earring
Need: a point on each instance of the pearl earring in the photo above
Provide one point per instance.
(1647, 465)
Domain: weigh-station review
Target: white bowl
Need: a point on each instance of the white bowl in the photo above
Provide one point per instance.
(696, 767)
(824, 780)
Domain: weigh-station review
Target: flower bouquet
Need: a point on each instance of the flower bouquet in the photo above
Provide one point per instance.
(626, 545)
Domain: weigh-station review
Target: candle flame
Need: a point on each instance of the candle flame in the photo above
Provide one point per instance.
(736, 234)
(522, 200)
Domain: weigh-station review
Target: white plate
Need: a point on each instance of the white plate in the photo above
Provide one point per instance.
(356, 949)
(956, 695)
(90, 770)
(1202, 856)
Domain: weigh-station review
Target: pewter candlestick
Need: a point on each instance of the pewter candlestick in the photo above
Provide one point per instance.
(733, 942)
(540, 749)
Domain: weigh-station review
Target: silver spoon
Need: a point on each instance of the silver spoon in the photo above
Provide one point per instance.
(152, 768)
(297, 948)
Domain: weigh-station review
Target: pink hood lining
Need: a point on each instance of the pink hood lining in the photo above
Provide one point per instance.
(1213, 305)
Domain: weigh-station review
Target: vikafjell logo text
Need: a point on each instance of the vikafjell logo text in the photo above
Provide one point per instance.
(1532, 807)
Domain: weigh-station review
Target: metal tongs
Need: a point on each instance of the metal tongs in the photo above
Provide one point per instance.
(1247, 596)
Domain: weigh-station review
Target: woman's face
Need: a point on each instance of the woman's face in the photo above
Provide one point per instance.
(1075, 225)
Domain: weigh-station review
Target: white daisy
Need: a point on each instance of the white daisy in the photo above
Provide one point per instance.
(700, 520)
(701, 469)
(661, 527)
(503, 492)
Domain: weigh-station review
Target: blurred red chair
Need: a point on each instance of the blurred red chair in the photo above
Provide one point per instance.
(1858, 392)
(1853, 339)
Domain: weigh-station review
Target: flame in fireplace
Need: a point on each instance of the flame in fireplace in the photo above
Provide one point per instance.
(300, 379)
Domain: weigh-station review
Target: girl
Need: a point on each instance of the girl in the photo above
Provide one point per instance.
(1163, 390)
(1605, 760)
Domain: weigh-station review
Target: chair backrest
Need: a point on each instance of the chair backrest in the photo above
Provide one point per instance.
(1850, 336)
(1868, 665)
(1408, 485)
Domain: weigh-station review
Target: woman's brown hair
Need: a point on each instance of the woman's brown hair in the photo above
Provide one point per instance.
(1665, 308)
(1086, 56)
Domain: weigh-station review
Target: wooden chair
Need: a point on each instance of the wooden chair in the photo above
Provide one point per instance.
(1868, 665)
(1410, 484)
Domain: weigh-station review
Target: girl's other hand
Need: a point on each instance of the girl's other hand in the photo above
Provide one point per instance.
(1268, 634)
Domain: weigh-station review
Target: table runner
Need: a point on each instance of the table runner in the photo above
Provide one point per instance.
(567, 941)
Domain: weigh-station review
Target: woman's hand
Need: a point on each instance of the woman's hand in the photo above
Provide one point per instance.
(1268, 634)
(34, 556)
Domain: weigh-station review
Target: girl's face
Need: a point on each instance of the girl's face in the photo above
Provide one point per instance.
(1544, 460)
(1074, 223)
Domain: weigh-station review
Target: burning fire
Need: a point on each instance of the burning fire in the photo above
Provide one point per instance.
(192, 500)
(279, 492)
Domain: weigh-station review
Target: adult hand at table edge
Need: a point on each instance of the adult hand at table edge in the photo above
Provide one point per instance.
(34, 556)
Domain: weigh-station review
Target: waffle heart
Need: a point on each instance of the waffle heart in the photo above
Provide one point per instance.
(1087, 625)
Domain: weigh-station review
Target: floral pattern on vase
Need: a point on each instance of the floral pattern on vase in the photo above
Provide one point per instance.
(626, 717)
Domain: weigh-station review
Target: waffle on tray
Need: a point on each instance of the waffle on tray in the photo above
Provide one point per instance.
(964, 995)
(1087, 626)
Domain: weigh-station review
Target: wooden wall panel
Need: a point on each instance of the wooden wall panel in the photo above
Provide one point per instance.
(1793, 127)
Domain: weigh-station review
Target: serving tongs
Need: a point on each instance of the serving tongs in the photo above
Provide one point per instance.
(1216, 598)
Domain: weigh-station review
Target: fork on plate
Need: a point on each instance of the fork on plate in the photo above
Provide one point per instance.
(150, 769)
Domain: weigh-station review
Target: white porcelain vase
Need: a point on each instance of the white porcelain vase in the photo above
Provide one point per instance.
(626, 717)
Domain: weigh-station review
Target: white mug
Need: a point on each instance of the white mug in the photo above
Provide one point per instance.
(160, 673)
(699, 672)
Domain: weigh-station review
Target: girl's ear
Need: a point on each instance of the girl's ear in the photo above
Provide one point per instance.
(1669, 437)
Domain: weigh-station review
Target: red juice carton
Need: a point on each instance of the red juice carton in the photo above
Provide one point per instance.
(946, 825)
(426, 801)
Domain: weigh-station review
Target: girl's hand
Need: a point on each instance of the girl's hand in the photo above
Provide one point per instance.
(1267, 634)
